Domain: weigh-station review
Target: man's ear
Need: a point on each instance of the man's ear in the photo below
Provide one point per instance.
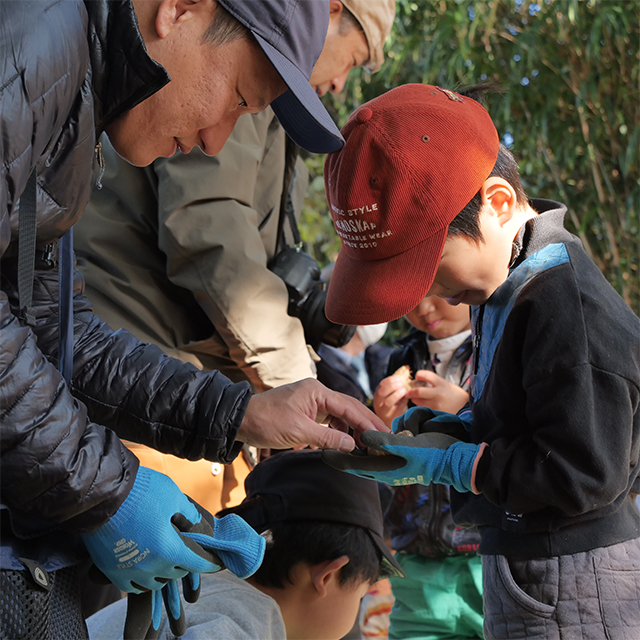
(327, 573)
(335, 8)
(498, 194)
(175, 12)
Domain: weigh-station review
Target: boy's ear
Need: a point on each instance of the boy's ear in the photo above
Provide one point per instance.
(326, 573)
(175, 12)
(498, 194)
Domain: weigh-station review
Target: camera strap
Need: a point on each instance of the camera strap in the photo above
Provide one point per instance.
(287, 211)
(27, 221)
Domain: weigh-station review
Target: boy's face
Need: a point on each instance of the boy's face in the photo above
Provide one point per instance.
(332, 617)
(438, 318)
(469, 273)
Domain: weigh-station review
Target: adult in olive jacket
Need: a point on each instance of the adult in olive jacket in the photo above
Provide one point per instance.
(176, 253)
(68, 71)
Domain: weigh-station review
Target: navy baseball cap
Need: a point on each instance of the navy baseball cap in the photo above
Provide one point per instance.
(292, 34)
(297, 486)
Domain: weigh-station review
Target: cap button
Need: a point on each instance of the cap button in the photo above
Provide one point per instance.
(363, 115)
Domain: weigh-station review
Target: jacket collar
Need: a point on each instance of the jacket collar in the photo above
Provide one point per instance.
(415, 336)
(123, 73)
(542, 229)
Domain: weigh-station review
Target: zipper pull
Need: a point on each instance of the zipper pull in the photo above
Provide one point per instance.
(477, 338)
(100, 160)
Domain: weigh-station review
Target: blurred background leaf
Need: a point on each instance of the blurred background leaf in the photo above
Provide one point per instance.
(570, 113)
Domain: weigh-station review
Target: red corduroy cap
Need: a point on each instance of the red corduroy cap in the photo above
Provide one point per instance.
(413, 159)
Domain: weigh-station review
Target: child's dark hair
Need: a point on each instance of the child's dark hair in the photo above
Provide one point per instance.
(506, 167)
(290, 543)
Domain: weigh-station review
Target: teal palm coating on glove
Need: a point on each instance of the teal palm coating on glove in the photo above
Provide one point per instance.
(428, 457)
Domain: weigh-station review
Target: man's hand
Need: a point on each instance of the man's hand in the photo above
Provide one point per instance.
(439, 394)
(289, 416)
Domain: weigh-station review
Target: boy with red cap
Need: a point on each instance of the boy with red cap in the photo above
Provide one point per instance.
(545, 460)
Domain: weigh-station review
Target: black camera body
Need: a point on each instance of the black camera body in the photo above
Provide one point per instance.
(307, 296)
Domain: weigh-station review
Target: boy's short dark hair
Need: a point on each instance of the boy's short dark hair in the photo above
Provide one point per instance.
(466, 222)
(312, 513)
(314, 542)
(506, 167)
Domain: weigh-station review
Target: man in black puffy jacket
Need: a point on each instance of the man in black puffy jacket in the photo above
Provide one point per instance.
(69, 71)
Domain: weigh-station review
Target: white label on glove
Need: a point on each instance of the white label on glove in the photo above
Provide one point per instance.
(125, 552)
(402, 482)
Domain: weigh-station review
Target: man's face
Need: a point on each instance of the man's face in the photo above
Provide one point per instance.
(470, 272)
(210, 88)
(341, 53)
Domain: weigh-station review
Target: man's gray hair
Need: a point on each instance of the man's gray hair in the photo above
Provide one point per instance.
(224, 29)
(348, 22)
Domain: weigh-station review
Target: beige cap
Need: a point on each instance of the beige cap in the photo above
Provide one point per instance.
(376, 19)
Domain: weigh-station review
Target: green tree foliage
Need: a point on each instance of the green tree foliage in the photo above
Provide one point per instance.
(570, 113)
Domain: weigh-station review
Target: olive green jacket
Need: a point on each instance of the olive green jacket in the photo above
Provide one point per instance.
(177, 254)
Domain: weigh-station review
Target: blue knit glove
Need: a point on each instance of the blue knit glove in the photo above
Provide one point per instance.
(428, 457)
(234, 542)
(159, 536)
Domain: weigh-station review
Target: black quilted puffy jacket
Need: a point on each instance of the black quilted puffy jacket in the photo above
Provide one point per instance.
(67, 69)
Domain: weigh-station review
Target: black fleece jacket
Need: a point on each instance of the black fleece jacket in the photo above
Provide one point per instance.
(556, 395)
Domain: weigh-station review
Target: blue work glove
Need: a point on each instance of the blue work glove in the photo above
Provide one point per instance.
(159, 536)
(428, 457)
(234, 540)
(144, 610)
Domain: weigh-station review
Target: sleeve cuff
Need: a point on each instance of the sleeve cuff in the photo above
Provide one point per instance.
(480, 468)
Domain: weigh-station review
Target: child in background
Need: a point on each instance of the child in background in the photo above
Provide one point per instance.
(324, 550)
(545, 462)
(437, 350)
(441, 596)
(357, 367)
